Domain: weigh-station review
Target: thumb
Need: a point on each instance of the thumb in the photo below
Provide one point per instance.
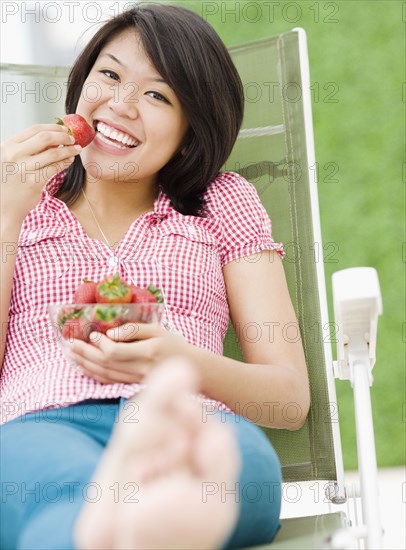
(124, 333)
(135, 331)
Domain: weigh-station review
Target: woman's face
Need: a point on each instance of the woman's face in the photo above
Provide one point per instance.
(139, 121)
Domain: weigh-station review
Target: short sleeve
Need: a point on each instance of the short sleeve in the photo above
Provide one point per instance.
(246, 226)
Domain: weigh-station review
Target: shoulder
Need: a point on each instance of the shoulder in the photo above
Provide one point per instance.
(229, 182)
(232, 190)
(246, 227)
(235, 204)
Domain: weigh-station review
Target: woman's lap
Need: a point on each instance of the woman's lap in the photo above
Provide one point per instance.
(47, 463)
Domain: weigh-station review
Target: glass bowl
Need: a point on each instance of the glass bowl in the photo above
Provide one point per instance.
(71, 321)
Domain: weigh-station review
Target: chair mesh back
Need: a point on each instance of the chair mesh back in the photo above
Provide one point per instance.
(271, 153)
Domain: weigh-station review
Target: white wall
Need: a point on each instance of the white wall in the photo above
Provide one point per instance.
(51, 33)
(43, 39)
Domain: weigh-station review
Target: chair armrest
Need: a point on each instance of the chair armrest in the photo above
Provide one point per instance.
(357, 305)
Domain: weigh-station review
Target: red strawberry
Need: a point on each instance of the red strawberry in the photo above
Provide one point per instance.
(85, 293)
(65, 313)
(104, 326)
(149, 295)
(112, 290)
(145, 298)
(78, 328)
(106, 317)
(142, 295)
(78, 128)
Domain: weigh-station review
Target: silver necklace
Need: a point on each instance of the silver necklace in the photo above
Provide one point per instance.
(95, 219)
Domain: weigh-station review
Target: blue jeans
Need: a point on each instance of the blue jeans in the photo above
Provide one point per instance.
(48, 459)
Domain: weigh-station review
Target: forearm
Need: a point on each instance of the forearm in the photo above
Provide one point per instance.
(275, 396)
(10, 230)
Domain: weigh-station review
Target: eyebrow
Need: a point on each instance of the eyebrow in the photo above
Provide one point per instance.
(154, 79)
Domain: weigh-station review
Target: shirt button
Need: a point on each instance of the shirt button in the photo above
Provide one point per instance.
(32, 234)
(192, 230)
(113, 261)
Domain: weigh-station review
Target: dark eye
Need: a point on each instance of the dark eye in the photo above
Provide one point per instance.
(159, 96)
(110, 74)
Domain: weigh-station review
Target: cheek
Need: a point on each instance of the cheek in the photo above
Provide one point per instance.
(82, 106)
(170, 138)
(91, 95)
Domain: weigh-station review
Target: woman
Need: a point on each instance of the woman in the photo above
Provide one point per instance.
(146, 200)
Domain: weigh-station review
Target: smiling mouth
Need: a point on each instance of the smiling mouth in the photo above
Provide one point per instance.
(109, 135)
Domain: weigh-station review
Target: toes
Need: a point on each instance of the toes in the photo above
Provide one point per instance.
(171, 455)
(214, 441)
(173, 378)
(166, 384)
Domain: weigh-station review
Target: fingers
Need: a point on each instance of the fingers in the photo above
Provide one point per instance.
(45, 147)
(115, 351)
(105, 374)
(92, 362)
(123, 362)
(34, 140)
(42, 149)
(46, 139)
(35, 130)
(81, 350)
(136, 331)
(52, 158)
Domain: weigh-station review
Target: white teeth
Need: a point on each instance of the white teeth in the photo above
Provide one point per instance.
(127, 141)
(109, 142)
(109, 132)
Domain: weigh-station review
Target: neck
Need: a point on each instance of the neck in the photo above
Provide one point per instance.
(120, 199)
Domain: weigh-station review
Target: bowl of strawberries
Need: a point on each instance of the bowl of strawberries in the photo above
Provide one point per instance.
(108, 304)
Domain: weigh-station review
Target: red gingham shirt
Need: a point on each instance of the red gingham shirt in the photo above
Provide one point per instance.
(183, 255)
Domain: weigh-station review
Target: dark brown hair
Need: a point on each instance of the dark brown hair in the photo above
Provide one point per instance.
(193, 60)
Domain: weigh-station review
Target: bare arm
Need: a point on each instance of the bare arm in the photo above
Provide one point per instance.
(271, 387)
(9, 238)
(28, 160)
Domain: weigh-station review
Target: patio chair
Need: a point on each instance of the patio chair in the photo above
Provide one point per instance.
(275, 151)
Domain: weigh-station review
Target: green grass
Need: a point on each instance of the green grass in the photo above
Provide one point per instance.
(363, 55)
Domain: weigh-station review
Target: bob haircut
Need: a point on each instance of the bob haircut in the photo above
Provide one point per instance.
(195, 63)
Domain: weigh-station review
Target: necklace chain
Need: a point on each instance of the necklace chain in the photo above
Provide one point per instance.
(95, 219)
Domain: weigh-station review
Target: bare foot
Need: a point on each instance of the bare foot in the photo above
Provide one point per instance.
(153, 476)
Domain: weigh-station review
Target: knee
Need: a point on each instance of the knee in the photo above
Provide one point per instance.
(258, 489)
(258, 455)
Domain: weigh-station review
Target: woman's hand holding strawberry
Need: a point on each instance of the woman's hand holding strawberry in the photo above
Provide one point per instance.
(29, 160)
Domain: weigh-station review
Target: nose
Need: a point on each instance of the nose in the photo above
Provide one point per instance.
(124, 101)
